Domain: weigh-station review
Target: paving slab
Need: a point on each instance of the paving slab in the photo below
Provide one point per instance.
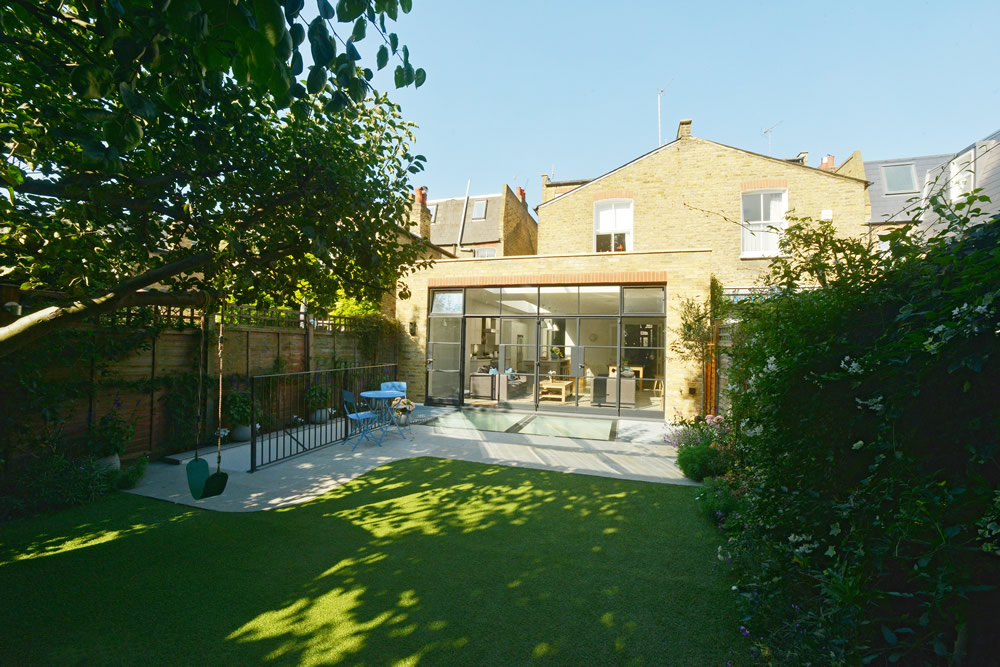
(644, 457)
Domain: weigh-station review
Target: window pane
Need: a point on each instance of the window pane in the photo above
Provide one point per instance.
(621, 243)
(751, 208)
(484, 301)
(644, 332)
(519, 301)
(486, 252)
(774, 206)
(604, 243)
(623, 216)
(900, 178)
(559, 300)
(559, 331)
(599, 332)
(605, 218)
(446, 302)
(643, 299)
(597, 361)
(479, 209)
(518, 331)
(445, 329)
(599, 300)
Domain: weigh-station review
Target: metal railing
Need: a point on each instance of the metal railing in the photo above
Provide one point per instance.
(294, 413)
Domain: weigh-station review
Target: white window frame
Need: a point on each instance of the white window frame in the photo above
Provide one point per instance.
(485, 252)
(621, 226)
(961, 176)
(433, 208)
(748, 228)
(913, 176)
(476, 203)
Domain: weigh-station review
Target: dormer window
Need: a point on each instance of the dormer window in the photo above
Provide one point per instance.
(613, 225)
(961, 179)
(434, 211)
(479, 209)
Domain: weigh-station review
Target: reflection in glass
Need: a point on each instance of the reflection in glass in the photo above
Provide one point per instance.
(443, 385)
(643, 299)
(600, 300)
(445, 329)
(559, 301)
(446, 302)
(558, 331)
(482, 301)
(644, 332)
(520, 301)
(601, 331)
(443, 356)
(518, 330)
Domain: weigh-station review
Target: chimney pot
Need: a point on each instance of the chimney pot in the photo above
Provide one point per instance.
(828, 163)
(421, 195)
(520, 193)
(684, 129)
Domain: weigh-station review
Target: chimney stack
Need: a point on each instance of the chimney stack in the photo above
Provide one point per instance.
(828, 163)
(684, 129)
(420, 215)
(421, 195)
(521, 194)
(803, 158)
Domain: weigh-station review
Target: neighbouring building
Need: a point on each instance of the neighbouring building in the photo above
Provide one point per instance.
(587, 323)
(895, 188)
(499, 225)
(975, 167)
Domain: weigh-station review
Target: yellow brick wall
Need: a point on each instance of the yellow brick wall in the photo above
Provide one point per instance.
(688, 195)
(687, 276)
(518, 230)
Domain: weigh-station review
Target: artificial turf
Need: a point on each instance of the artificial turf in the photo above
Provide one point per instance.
(421, 560)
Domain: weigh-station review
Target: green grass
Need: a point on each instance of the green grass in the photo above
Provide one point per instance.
(419, 560)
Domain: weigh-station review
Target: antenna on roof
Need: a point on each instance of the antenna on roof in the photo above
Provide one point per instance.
(770, 131)
(659, 130)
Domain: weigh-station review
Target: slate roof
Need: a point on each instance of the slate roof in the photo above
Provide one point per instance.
(895, 207)
(447, 220)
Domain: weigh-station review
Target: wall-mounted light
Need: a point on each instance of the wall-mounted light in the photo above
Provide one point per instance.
(692, 390)
(413, 328)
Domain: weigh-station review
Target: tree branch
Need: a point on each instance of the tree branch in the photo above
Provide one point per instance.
(31, 327)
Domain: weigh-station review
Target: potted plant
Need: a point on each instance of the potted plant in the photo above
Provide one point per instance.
(318, 403)
(236, 406)
(402, 407)
(106, 440)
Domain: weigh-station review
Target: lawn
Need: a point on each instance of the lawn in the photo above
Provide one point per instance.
(419, 560)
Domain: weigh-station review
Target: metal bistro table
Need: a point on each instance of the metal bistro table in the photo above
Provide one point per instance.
(381, 403)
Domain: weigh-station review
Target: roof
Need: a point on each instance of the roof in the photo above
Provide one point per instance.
(894, 207)
(795, 164)
(447, 220)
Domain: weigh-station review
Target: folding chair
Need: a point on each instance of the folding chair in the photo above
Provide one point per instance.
(363, 420)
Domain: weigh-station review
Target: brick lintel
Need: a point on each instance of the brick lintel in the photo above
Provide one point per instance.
(599, 278)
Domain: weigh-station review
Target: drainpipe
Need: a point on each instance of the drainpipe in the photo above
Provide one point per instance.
(461, 226)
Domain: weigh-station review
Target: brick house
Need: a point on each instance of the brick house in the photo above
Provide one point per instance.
(585, 325)
(498, 225)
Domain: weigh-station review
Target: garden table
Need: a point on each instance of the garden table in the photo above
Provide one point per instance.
(381, 404)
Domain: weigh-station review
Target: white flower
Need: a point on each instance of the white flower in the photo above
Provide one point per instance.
(873, 404)
(958, 311)
(772, 365)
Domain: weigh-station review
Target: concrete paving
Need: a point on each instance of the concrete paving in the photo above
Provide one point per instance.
(640, 454)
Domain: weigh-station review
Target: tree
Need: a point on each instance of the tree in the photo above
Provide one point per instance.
(168, 143)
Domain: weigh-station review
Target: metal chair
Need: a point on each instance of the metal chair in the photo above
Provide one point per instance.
(364, 420)
(394, 386)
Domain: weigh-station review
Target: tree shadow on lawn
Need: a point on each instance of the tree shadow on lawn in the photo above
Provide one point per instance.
(420, 559)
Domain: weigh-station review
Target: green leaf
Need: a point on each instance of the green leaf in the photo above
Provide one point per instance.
(382, 58)
(325, 9)
(292, 8)
(131, 134)
(297, 91)
(352, 52)
(420, 76)
(284, 48)
(406, 6)
(298, 34)
(337, 103)
(296, 66)
(259, 55)
(348, 10)
(889, 635)
(409, 73)
(399, 75)
(316, 80)
(393, 41)
(270, 20)
(126, 50)
(91, 81)
(136, 103)
(358, 33)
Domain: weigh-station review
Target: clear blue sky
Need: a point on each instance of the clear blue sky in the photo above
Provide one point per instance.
(516, 89)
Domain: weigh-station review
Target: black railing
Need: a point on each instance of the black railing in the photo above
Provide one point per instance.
(294, 413)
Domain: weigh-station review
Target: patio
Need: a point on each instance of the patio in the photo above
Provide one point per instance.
(638, 453)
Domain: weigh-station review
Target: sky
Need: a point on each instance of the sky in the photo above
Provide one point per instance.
(569, 88)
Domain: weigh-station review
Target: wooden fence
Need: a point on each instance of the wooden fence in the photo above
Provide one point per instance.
(255, 342)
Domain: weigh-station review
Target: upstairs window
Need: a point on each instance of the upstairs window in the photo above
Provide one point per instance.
(486, 252)
(763, 216)
(434, 211)
(613, 225)
(961, 179)
(899, 178)
(479, 209)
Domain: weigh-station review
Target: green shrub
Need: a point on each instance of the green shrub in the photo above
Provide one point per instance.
(317, 397)
(128, 477)
(703, 447)
(109, 435)
(236, 406)
(53, 481)
(866, 447)
(719, 500)
(700, 461)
